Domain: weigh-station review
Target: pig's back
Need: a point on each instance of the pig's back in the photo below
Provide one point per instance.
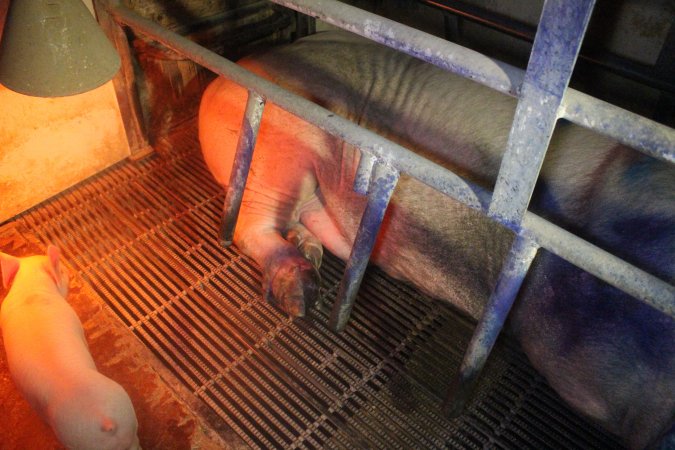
(444, 117)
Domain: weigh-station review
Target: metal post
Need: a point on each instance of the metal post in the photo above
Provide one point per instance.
(128, 97)
(434, 50)
(556, 46)
(364, 173)
(652, 138)
(242, 162)
(382, 183)
(490, 325)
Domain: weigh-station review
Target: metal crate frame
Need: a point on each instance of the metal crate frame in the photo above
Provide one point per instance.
(543, 98)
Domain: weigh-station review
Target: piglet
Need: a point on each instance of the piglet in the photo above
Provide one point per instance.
(49, 359)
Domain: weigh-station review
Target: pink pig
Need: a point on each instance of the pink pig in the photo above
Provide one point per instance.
(49, 359)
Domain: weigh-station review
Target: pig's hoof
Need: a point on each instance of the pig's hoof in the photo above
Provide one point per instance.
(309, 246)
(293, 288)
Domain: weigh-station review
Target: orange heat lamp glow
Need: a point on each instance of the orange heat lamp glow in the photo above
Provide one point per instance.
(54, 48)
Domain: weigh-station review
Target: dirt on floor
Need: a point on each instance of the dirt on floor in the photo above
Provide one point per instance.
(165, 420)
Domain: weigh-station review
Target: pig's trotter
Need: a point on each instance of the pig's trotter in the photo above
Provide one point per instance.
(293, 286)
(308, 244)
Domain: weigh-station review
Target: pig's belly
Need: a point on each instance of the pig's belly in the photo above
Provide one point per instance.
(443, 248)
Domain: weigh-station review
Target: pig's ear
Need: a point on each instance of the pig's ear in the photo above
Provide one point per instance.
(9, 265)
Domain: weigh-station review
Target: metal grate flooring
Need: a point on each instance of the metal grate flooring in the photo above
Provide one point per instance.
(144, 236)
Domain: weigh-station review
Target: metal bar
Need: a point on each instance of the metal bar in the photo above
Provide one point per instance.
(128, 98)
(491, 323)
(588, 111)
(382, 183)
(447, 56)
(399, 157)
(609, 268)
(643, 73)
(452, 57)
(554, 52)
(626, 127)
(653, 291)
(486, 17)
(579, 107)
(363, 173)
(242, 162)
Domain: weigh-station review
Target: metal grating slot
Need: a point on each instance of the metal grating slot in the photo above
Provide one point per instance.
(144, 236)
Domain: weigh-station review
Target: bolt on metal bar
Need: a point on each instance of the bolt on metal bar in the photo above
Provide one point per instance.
(242, 162)
(491, 323)
(622, 275)
(559, 35)
(383, 180)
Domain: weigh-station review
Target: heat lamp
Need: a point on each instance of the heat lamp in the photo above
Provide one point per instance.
(54, 48)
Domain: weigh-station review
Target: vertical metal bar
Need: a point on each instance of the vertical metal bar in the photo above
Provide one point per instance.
(554, 52)
(242, 162)
(490, 325)
(124, 82)
(382, 183)
(364, 173)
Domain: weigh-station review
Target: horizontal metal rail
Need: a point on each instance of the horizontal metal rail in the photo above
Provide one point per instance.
(646, 74)
(657, 141)
(622, 275)
(633, 130)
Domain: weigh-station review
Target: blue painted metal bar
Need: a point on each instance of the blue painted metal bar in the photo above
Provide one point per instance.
(559, 35)
(644, 135)
(242, 162)
(622, 275)
(382, 183)
(609, 268)
(630, 129)
(493, 73)
(491, 323)
(364, 173)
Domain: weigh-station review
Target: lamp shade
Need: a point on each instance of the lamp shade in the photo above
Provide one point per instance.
(54, 48)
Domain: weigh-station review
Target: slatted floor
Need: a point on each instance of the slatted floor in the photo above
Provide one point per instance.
(144, 236)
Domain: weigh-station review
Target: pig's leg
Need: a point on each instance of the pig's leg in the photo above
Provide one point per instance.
(281, 179)
(320, 224)
(289, 284)
(290, 281)
(309, 245)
